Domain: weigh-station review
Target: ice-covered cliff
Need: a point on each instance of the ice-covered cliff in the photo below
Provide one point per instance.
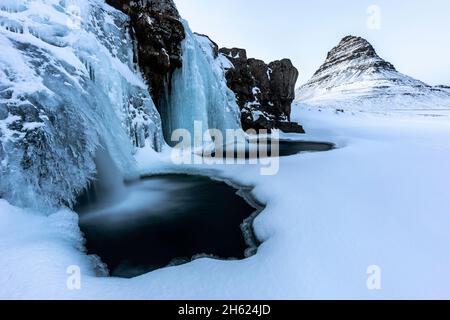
(68, 86)
(354, 76)
(82, 81)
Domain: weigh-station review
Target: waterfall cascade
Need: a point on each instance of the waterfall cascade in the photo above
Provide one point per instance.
(198, 91)
(107, 188)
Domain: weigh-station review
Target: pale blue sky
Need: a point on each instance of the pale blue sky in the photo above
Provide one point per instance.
(414, 35)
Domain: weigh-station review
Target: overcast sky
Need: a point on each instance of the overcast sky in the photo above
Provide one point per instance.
(414, 35)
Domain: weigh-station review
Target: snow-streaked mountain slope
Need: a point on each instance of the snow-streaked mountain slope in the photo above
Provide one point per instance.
(68, 86)
(355, 77)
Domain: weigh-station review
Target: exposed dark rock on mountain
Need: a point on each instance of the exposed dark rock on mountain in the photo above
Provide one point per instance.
(352, 49)
(264, 92)
(159, 33)
(354, 76)
(442, 88)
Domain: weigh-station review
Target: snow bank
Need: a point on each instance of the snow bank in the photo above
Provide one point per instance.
(37, 251)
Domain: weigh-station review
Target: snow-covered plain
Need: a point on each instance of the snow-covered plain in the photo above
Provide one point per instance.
(381, 198)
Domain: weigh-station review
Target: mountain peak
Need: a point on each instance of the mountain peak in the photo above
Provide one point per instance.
(354, 39)
(353, 52)
(353, 73)
(355, 45)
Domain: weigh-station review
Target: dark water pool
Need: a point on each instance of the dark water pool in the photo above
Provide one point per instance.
(291, 147)
(266, 148)
(170, 219)
(164, 220)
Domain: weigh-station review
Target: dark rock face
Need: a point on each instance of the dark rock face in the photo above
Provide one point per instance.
(264, 92)
(282, 85)
(159, 33)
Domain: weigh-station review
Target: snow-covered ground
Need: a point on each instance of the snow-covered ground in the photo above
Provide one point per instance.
(381, 198)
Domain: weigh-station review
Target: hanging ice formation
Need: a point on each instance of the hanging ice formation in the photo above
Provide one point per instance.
(67, 82)
(198, 91)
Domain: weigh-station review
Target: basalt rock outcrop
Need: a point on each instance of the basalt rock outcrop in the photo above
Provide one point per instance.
(159, 32)
(264, 92)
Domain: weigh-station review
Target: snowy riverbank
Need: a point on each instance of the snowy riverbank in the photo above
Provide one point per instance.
(381, 198)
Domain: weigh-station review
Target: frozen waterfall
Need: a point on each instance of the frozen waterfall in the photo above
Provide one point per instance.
(198, 91)
(67, 82)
